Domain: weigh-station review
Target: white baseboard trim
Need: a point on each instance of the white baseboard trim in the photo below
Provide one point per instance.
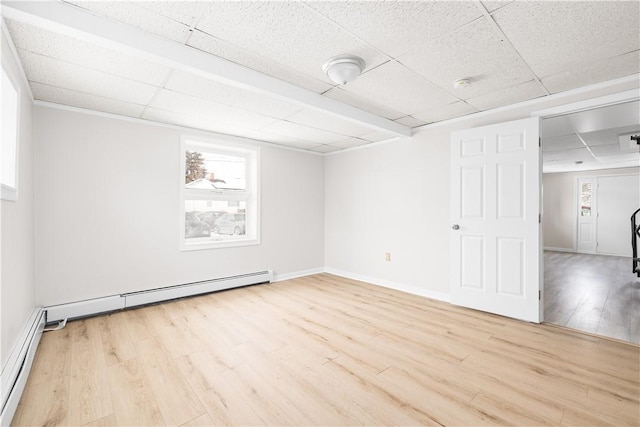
(573, 251)
(16, 370)
(297, 274)
(117, 302)
(551, 248)
(410, 289)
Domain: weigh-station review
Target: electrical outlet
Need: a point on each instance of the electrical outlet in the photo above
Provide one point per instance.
(387, 256)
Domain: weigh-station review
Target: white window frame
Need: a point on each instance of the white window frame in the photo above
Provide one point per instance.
(10, 146)
(251, 195)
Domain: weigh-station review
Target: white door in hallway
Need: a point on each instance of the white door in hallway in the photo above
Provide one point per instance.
(618, 198)
(495, 236)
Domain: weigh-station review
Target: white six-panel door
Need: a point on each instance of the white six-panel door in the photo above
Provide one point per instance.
(495, 236)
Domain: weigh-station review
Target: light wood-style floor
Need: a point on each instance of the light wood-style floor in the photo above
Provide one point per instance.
(324, 350)
(593, 293)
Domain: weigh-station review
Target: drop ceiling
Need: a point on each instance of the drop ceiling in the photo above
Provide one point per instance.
(414, 50)
(598, 138)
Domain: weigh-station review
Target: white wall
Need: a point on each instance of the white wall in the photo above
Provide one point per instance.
(17, 288)
(389, 198)
(395, 198)
(107, 217)
(559, 205)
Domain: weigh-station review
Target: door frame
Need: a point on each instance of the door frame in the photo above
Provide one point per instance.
(575, 107)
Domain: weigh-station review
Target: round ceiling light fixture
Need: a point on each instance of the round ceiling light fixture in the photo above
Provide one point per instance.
(343, 69)
(461, 83)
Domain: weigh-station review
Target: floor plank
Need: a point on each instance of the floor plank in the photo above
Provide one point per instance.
(134, 402)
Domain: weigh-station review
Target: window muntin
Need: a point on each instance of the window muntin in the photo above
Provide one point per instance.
(219, 195)
(9, 150)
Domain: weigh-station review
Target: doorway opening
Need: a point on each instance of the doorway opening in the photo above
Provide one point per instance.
(591, 188)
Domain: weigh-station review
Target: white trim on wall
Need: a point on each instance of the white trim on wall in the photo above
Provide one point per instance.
(551, 248)
(297, 274)
(588, 104)
(403, 287)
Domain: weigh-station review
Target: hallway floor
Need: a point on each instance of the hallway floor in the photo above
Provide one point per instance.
(592, 293)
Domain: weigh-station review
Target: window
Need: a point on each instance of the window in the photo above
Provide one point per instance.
(9, 125)
(219, 186)
(585, 199)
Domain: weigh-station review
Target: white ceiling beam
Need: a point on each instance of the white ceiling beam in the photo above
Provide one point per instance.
(78, 23)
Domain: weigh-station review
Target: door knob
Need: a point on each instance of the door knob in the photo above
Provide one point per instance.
(455, 227)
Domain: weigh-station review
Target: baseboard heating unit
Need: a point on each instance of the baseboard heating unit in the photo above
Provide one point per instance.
(133, 299)
(16, 370)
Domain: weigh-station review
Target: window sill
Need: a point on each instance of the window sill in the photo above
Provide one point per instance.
(197, 244)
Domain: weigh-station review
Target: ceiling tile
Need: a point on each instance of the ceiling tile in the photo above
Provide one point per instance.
(593, 72)
(339, 94)
(567, 166)
(556, 126)
(475, 51)
(553, 35)
(68, 49)
(573, 155)
(324, 148)
(377, 136)
(396, 87)
(609, 149)
(185, 104)
(401, 26)
(137, 16)
(288, 141)
(191, 121)
(351, 142)
(255, 61)
(320, 120)
(444, 112)
(612, 116)
(45, 70)
(410, 121)
(220, 93)
(492, 6)
(611, 136)
(603, 137)
(632, 158)
(510, 95)
(561, 143)
(306, 133)
(185, 12)
(286, 32)
(84, 100)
